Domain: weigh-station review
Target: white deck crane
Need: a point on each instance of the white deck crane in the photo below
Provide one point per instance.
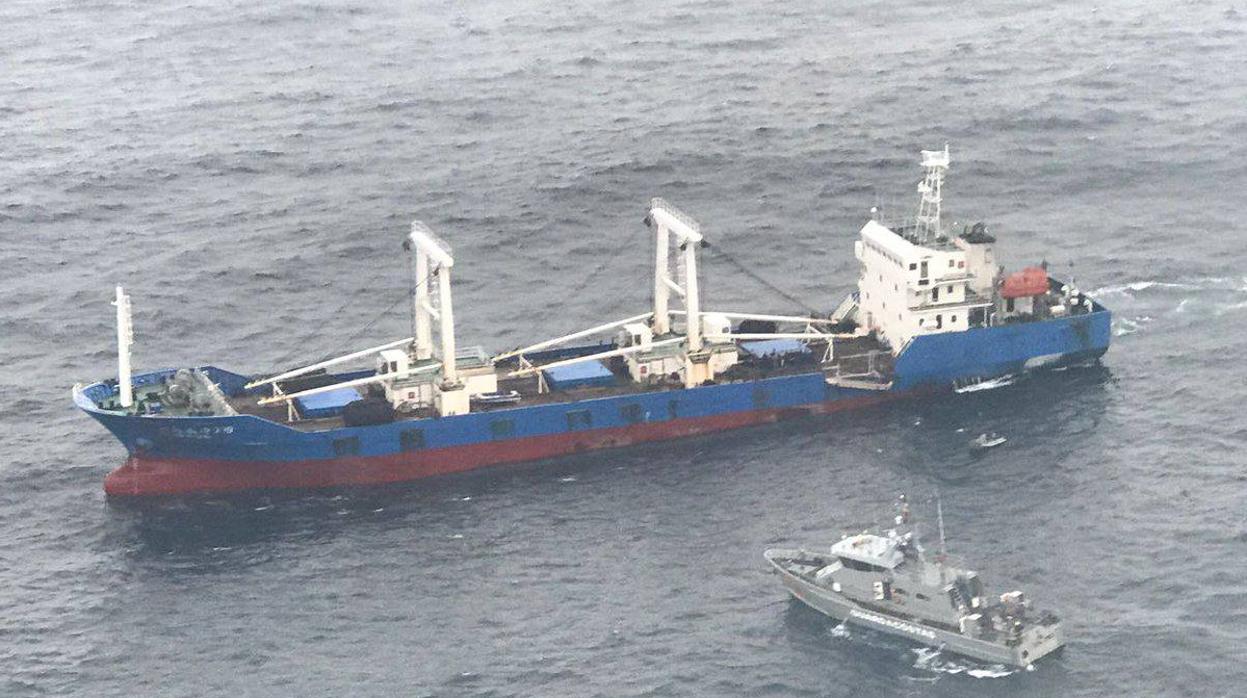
(432, 258)
(667, 222)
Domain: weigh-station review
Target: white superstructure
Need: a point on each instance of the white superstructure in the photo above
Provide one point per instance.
(915, 279)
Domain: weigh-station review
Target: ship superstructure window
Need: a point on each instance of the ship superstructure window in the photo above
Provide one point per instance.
(631, 414)
(579, 419)
(939, 321)
(501, 428)
(411, 439)
(348, 446)
(860, 566)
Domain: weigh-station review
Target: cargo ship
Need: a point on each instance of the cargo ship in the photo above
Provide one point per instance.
(933, 311)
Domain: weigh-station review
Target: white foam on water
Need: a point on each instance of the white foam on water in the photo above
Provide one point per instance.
(1231, 307)
(990, 384)
(1204, 283)
(931, 659)
(841, 630)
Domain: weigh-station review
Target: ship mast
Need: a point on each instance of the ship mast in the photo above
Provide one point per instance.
(936, 164)
(125, 339)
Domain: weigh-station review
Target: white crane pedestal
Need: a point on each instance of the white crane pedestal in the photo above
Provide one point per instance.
(452, 399)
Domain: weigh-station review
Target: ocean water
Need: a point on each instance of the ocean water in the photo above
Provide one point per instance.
(247, 170)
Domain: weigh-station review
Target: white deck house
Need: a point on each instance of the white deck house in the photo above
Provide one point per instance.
(918, 280)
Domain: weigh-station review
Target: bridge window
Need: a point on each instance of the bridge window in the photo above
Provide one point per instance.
(346, 447)
(860, 566)
(579, 419)
(913, 266)
(411, 439)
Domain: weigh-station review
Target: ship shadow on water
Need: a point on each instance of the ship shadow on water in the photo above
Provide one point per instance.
(196, 525)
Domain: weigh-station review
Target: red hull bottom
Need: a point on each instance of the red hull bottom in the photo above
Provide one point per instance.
(141, 476)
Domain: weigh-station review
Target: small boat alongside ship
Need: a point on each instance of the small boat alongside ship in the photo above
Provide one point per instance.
(884, 581)
(933, 311)
(988, 440)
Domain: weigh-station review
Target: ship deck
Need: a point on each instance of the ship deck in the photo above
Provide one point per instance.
(862, 358)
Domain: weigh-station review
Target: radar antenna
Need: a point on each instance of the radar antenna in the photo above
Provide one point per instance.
(936, 164)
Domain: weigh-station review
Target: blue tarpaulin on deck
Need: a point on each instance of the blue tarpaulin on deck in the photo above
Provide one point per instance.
(774, 347)
(326, 404)
(579, 375)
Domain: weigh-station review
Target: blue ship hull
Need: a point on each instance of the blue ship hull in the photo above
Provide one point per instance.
(171, 455)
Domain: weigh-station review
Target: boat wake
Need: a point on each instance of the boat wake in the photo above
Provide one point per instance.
(1199, 297)
(931, 659)
(990, 384)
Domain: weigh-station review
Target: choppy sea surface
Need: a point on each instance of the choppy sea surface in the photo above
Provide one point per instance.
(247, 170)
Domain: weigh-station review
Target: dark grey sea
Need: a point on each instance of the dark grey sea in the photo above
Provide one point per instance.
(247, 170)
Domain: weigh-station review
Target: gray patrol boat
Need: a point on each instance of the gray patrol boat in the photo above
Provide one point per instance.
(885, 582)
